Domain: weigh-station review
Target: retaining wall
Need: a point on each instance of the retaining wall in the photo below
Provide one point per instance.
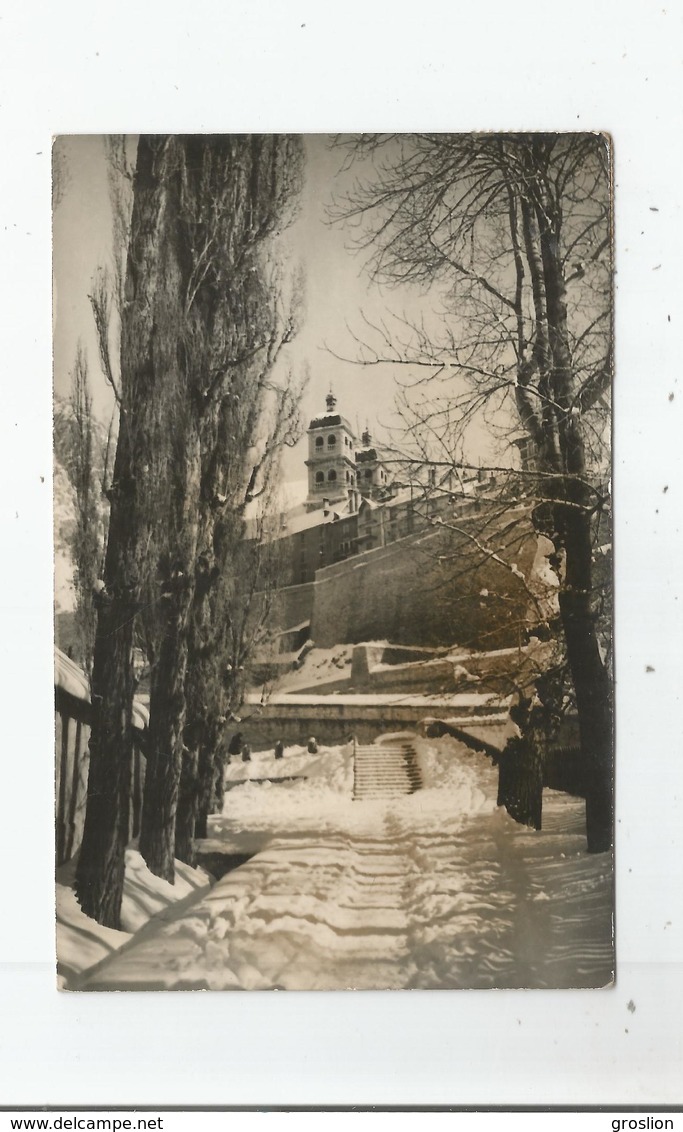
(333, 722)
(433, 588)
(290, 606)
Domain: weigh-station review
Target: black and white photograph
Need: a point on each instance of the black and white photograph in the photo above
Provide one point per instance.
(333, 569)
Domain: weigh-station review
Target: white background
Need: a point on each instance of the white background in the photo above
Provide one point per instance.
(219, 66)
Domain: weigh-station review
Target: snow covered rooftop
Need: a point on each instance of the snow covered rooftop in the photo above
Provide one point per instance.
(298, 519)
(73, 680)
(330, 420)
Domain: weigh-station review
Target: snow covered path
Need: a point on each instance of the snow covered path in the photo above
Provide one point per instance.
(438, 889)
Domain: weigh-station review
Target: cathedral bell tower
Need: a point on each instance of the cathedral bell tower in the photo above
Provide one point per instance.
(331, 459)
(372, 476)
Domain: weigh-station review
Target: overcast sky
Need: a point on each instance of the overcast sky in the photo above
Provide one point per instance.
(337, 289)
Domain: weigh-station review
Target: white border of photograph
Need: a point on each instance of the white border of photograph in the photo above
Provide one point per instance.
(312, 67)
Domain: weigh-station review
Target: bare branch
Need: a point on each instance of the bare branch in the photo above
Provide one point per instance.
(100, 302)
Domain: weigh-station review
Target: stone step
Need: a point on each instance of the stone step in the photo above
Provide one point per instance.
(381, 773)
(382, 796)
(382, 764)
(384, 752)
(365, 782)
(374, 772)
(386, 768)
(380, 747)
(363, 772)
(379, 787)
(406, 786)
(385, 772)
(393, 756)
(395, 760)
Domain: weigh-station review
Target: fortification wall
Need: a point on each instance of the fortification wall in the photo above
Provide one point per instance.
(432, 588)
(290, 606)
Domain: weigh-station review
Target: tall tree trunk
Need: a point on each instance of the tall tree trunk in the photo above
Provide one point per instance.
(520, 771)
(188, 798)
(100, 869)
(205, 789)
(202, 683)
(201, 827)
(197, 690)
(167, 693)
(520, 783)
(591, 681)
(165, 743)
(573, 524)
(218, 791)
(177, 519)
(201, 209)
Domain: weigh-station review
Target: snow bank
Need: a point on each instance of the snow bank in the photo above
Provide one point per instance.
(457, 783)
(311, 789)
(331, 768)
(318, 667)
(82, 943)
(448, 766)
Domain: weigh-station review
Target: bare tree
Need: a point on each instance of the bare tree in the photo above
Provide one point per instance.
(229, 616)
(139, 452)
(204, 209)
(234, 196)
(516, 231)
(88, 537)
(83, 450)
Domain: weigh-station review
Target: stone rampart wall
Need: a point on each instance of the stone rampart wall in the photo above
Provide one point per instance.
(432, 588)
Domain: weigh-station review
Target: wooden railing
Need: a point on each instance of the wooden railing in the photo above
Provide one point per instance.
(73, 715)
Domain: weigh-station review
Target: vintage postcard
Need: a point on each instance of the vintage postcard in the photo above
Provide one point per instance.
(333, 675)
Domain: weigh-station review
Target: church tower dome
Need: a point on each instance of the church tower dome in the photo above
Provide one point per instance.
(372, 476)
(331, 459)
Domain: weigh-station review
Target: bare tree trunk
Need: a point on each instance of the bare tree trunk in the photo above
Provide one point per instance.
(201, 826)
(99, 878)
(165, 744)
(591, 682)
(520, 771)
(573, 523)
(520, 783)
(196, 215)
(186, 816)
(420, 210)
(210, 783)
(253, 330)
(86, 548)
(190, 783)
(100, 870)
(199, 689)
(178, 483)
(218, 792)
(167, 693)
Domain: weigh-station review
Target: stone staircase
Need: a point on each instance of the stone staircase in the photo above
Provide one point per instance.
(385, 771)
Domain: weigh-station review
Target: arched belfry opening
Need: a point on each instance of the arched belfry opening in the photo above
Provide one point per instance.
(331, 459)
